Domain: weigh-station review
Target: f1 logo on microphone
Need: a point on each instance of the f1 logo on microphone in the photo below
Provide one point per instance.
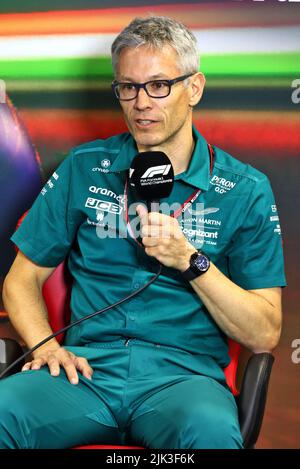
(156, 170)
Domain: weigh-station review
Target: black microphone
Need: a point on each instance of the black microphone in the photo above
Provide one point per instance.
(151, 175)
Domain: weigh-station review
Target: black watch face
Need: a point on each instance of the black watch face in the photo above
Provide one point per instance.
(202, 263)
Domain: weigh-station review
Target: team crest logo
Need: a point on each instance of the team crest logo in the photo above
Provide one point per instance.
(105, 163)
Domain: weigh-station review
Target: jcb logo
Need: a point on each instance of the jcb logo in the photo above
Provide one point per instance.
(157, 170)
(103, 205)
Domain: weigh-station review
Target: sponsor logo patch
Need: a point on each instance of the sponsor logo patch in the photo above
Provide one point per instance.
(222, 185)
(103, 205)
(156, 171)
(107, 192)
(50, 183)
(105, 164)
(205, 211)
(277, 230)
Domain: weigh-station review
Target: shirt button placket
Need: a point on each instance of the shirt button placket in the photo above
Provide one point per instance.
(136, 302)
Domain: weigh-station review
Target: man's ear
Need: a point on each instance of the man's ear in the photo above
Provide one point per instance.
(197, 86)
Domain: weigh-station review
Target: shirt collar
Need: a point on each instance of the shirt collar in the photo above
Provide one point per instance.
(197, 174)
(127, 152)
(198, 171)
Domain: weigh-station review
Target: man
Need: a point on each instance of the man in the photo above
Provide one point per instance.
(149, 371)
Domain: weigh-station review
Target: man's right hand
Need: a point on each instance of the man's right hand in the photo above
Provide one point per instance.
(24, 302)
(55, 357)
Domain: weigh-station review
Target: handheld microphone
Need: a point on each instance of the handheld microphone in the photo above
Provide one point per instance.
(152, 176)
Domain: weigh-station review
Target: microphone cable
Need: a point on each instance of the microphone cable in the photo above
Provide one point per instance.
(89, 316)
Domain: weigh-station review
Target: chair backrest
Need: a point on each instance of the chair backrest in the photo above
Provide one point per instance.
(57, 295)
(57, 292)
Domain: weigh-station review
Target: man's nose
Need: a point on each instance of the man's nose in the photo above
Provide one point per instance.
(142, 101)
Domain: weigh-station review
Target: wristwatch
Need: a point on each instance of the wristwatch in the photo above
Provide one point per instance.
(199, 264)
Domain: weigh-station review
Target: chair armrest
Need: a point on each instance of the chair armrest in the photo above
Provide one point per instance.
(252, 398)
(10, 350)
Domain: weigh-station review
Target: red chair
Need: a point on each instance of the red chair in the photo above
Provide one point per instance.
(250, 399)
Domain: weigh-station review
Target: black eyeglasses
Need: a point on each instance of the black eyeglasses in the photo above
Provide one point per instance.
(126, 91)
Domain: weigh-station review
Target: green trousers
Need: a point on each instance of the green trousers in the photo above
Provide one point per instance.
(141, 393)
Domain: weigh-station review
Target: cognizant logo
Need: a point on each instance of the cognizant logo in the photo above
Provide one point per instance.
(203, 234)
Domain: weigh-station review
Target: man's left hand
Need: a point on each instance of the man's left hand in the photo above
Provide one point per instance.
(164, 239)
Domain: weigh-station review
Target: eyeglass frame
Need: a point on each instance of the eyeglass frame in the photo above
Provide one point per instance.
(138, 86)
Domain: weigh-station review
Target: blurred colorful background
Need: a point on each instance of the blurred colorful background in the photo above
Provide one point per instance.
(55, 68)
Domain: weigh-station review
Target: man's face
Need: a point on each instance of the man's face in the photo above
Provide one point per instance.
(154, 122)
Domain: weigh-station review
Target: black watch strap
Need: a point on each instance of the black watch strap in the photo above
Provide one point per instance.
(195, 271)
(189, 274)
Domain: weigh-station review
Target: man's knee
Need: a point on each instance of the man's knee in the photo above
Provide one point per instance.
(206, 430)
(188, 429)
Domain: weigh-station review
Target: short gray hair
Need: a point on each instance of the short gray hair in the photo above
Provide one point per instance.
(156, 32)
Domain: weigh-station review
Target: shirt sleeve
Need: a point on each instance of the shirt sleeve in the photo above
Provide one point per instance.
(47, 231)
(255, 258)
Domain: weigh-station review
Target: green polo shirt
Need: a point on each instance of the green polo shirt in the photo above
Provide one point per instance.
(79, 215)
